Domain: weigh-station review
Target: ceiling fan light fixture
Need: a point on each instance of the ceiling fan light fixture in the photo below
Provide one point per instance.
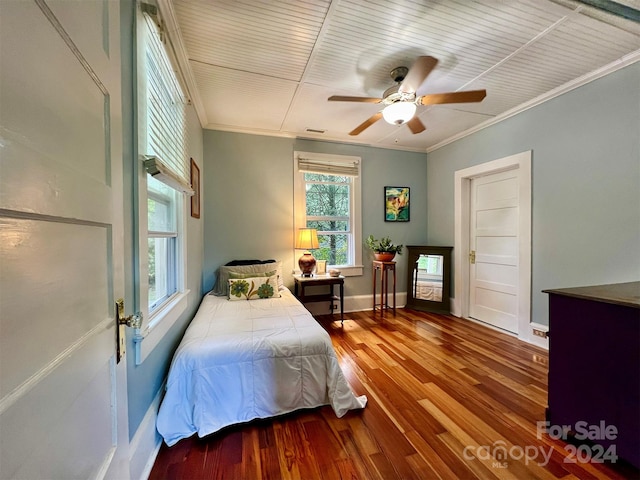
(399, 112)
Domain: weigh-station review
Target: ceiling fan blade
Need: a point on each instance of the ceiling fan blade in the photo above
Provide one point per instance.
(453, 97)
(418, 72)
(366, 124)
(416, 126)
(339, 98)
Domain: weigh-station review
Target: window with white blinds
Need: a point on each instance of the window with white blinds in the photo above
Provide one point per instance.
(327, 198)
(165, 105)
(163, 181)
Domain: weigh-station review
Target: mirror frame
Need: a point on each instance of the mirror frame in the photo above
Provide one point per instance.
(430, 305)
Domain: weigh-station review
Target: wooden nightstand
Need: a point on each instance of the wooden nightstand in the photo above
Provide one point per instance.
(319, 280)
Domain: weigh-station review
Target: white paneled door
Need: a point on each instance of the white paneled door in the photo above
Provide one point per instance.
(493, 270)
(62, 393)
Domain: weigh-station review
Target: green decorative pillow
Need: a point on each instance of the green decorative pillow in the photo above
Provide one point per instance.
(253, 288)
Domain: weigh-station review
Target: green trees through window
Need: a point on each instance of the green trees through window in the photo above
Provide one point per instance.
(328, 204)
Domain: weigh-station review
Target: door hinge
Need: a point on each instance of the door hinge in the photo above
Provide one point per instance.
(133, 321)
(472, 257)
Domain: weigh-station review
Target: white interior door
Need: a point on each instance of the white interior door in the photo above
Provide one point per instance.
(493, 270)
(62, 393)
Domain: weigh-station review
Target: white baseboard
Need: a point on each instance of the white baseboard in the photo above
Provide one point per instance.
(146, 442)
(455, 308)
(354, 303)
(542, 342)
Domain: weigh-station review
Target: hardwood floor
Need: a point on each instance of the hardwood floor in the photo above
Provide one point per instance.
(448, 399)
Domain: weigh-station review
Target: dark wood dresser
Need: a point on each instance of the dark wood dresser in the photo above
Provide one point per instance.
(594, 363)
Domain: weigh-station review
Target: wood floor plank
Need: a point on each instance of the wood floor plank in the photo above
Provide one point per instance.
(360, 457)
(480, 469)
(250, 453)
(436, 462)
(384, 468)
(472, 439)
(439, 389)
(420, 468)
(515, 401)
(326, 452)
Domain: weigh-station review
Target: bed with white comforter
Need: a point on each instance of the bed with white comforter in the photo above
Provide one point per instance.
(243, 360)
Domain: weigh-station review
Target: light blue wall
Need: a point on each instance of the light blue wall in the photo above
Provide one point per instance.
(248, 192)
(145, 380)
(249, 200)
(586, 183)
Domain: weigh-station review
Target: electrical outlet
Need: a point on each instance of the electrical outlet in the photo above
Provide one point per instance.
(541, 360)
(540, 333)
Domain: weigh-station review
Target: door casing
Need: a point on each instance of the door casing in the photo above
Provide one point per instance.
(462, 190)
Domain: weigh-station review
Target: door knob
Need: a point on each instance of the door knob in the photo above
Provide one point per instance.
(133, 321)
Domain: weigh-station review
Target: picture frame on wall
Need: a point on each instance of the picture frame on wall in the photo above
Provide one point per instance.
(195, 185)
(396, 204)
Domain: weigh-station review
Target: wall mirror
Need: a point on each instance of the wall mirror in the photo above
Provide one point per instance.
(429, 279)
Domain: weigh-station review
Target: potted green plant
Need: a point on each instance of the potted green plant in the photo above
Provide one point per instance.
(384, 249)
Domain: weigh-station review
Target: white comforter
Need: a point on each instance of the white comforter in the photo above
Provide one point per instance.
(243, 360)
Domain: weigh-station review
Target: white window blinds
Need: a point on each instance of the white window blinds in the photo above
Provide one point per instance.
(165, 107)
(329, 164)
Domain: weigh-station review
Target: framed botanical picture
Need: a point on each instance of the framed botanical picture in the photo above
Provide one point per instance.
(396, 204)
(195, 184)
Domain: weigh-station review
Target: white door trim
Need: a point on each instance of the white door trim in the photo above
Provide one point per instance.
(462, 187)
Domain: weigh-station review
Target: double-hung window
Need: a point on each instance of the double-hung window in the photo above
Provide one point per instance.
(327, 198)
(162, 239)
(163, 183)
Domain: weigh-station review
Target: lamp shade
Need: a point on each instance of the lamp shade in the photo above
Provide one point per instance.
(399, 112)
(307, 239)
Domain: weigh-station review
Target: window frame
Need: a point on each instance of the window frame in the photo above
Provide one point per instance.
(355, 268)
(155, 323)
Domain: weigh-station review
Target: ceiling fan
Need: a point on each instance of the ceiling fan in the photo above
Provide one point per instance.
(401, 100)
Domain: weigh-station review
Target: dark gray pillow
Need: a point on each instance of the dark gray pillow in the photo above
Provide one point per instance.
(234, 263)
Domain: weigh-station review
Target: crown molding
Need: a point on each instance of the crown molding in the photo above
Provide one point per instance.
(622, 62)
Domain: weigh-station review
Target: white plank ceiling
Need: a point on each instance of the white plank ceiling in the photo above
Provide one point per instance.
(268, 67)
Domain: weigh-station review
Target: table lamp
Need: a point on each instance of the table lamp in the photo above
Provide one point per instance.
(307, 240)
